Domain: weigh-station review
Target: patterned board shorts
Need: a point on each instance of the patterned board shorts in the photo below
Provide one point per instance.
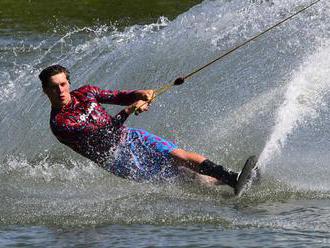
(143, 156)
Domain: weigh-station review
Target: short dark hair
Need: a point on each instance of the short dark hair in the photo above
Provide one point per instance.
(50, 71)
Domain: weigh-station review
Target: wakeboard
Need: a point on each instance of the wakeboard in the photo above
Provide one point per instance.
(248, 174)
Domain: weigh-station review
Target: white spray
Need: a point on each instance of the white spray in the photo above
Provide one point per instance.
(303, 100)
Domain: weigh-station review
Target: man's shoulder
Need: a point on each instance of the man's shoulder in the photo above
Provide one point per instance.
(63, 121)
(59, 116)
(86, 89)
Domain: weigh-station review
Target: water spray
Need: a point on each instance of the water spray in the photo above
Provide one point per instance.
(181, 80)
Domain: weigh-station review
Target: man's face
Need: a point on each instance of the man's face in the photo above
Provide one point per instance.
(58, 90)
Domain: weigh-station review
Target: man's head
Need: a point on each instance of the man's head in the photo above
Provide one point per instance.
(55, 81)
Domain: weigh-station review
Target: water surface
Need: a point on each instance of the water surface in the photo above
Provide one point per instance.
(270, 98)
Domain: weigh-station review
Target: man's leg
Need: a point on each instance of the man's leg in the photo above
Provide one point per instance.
(190, 175)
(202, 165)
(190, 160)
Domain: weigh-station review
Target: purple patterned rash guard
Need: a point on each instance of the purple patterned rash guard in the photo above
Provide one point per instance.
(86, 127)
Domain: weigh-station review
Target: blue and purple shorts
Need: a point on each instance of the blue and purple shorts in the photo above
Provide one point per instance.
(144, 156)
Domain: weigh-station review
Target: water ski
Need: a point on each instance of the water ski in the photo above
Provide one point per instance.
(246, 176)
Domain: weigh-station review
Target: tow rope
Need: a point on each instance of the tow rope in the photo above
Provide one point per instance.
(181, 80)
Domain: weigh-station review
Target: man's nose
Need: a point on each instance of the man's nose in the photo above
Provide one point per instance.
(60, 89)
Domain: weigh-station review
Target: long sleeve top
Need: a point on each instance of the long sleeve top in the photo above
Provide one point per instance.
(86, 127)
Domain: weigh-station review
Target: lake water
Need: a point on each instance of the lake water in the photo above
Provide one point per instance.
(270, 98)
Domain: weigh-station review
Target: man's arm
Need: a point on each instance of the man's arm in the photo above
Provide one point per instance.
(121, 97)
(137, 108)
(137, 101)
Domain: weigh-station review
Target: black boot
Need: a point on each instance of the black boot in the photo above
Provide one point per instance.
(227, 176)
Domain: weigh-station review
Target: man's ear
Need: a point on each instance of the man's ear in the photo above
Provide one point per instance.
(45, 90)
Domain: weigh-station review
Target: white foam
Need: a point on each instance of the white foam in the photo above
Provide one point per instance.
(303, 100)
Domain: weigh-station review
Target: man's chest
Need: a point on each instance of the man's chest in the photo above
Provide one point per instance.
(87, 112)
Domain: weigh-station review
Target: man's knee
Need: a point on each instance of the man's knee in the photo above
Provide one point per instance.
(188, 156)
(180, 153)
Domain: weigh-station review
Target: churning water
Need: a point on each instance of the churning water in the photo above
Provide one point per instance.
(269, 98)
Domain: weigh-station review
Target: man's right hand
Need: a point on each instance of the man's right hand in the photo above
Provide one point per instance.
(138, 107)
(146, 95)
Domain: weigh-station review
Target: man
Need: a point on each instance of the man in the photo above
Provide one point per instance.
(79, 121)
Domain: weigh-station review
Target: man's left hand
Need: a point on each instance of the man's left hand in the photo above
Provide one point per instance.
(147, 95)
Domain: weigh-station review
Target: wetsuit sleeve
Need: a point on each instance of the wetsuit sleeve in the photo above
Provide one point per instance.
(118, 97)
(120, 118)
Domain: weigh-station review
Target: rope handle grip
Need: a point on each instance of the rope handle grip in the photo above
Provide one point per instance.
(178, 81)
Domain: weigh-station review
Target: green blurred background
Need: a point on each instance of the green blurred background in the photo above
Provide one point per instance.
(44, 15)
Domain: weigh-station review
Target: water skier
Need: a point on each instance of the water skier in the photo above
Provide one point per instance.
(79, 121)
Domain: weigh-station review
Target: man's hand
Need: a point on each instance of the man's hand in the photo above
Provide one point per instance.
(138, 107)
(145, 98)
(147, 95)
